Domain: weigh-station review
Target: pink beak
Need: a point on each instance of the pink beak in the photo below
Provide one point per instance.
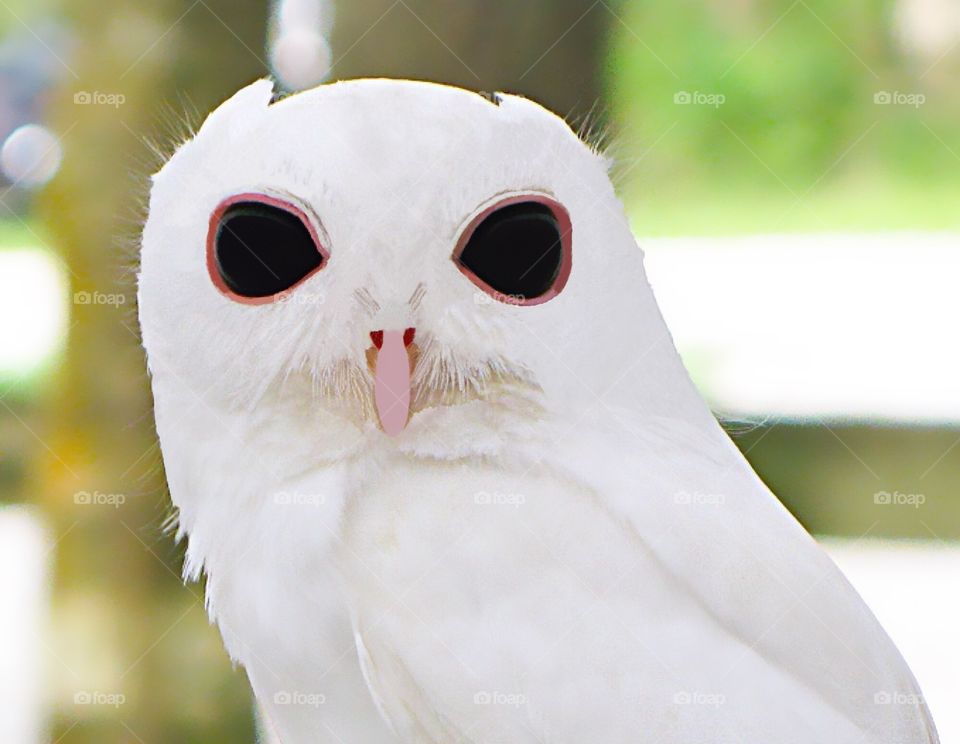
(392, 365)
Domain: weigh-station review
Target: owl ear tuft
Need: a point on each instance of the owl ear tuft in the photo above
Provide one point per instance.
(237, 115)
(239, 112)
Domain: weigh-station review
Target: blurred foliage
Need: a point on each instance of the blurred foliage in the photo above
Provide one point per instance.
(21, 11)
(14, 234)
(797, 140)
(828, 475)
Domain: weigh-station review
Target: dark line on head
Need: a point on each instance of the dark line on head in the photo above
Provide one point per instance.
(493, 97)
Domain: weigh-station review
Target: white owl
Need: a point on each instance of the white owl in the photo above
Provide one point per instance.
(432, 445)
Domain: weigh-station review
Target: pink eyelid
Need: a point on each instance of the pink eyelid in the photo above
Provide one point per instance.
(564, 222)
(273, 201)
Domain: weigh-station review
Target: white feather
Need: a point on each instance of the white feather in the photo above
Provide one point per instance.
(562, 545)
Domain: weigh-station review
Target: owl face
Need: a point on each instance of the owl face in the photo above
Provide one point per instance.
(382, 255)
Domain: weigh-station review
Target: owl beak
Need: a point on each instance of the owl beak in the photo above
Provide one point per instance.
(392, 359)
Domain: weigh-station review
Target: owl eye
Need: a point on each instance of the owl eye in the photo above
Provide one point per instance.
(519, 250)
(259, 247)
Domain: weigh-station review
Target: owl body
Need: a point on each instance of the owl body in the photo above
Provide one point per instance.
(430, 442)
(493, 602)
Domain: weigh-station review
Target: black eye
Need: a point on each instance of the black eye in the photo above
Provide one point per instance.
(519, 251)
(259, 247)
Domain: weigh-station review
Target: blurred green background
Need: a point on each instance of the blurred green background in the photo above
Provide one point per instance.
(722, 116)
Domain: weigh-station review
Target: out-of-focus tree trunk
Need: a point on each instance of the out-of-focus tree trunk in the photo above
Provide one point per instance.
(549, 50)
(132, 630)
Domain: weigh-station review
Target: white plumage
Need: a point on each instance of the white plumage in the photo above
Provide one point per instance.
(560, 544)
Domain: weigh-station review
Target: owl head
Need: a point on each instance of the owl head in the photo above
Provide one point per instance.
(391, 264)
